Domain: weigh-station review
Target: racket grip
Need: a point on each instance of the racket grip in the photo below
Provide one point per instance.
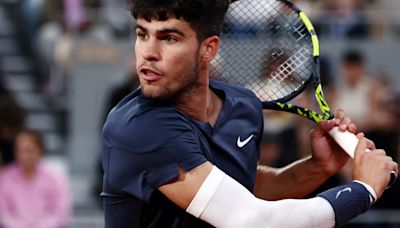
(348, 142)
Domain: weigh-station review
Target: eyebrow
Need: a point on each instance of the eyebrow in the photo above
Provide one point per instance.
(162, 31)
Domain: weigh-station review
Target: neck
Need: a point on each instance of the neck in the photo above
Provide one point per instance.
(28, 173)
(201, 103)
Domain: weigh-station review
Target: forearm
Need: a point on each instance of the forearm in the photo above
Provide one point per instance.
(223, 202)
(293, 181)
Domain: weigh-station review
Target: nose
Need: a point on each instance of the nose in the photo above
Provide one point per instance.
(151, 51)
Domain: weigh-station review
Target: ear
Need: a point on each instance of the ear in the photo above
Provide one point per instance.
(209, 48)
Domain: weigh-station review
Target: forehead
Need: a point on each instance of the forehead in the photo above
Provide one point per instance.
(170, 23)
(25, 138)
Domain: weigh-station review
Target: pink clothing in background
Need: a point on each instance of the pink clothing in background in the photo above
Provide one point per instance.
(41, 202)
(75, 13)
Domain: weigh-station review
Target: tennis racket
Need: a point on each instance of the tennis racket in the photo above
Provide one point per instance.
(271, 48)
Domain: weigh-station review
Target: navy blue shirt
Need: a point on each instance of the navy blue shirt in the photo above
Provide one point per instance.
(145, 140)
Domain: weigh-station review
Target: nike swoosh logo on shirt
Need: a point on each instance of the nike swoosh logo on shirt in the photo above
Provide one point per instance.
(343, 190)
(241, 143)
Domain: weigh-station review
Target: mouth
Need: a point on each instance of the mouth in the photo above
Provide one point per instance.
(149, 74)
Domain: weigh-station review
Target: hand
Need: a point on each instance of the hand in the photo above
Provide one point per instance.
(325, 151)
(373, 167)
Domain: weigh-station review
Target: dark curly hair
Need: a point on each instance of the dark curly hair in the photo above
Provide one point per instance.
(205, 16)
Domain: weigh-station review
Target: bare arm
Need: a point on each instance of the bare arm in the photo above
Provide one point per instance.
(182, 190)
(304, 176)
(293, 181)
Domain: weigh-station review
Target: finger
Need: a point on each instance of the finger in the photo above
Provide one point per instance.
(378, 152)
(395, 168)
(361, 148)
(352, 128)
(360, 135)
(328, 125)
(393, 178)
(344, 123)
(339, 114)
(370, 144)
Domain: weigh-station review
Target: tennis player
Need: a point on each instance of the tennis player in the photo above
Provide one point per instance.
(182, 150)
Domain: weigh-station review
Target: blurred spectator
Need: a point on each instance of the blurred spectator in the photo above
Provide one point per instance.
(363, 98)
(312, 8)
(366, 101)
(327, 79)
(62, 22)
(52, 11)
(30, 194)
(30, 19)
(343, 19)
(75, 15)
(387, 13)
(116, 15)
(12, 120)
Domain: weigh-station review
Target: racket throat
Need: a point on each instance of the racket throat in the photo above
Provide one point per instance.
(323, 105)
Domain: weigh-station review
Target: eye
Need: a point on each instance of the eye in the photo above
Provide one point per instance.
(141, 35)
(169, 38)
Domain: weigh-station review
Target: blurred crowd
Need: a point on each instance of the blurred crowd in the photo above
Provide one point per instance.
(353, 19)
(48, 27)
(31, 194)
(47, 30)
(369, 100)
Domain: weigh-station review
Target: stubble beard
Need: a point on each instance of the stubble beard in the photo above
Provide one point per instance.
(186, 82)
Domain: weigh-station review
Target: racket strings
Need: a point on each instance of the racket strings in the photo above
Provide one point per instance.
(266, 48)
(289, 67)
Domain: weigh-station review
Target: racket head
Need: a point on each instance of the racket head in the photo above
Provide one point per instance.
(269, 47)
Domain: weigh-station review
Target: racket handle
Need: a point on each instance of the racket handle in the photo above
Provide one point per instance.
(348, 142)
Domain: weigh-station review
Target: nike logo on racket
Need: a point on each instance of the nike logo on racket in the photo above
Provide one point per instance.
(343, 190)
(241, 143)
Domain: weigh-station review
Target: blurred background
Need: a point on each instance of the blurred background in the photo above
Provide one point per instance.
(65, 63)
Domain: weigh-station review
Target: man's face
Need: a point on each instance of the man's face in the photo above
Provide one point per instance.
(167, 54)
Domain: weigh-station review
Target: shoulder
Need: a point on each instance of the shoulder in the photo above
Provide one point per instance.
(137, 119)
(8, 172)
(52, 174)
(239, 97)
(232, 90)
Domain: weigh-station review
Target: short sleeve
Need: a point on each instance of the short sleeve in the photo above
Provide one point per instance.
(144, 152)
